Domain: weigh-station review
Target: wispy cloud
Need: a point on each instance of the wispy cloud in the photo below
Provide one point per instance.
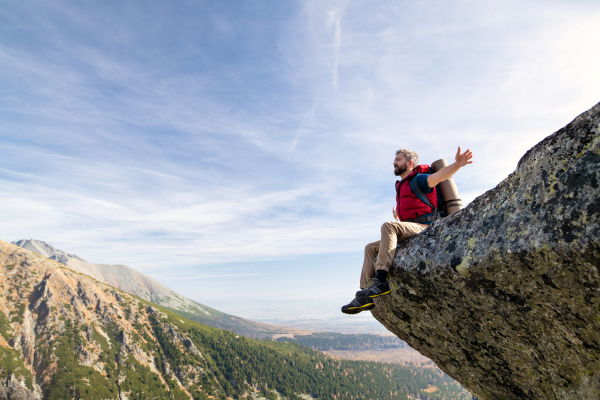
(334, 22)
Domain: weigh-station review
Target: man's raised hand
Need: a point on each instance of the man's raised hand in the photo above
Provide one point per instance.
(461, 160)
(464, 158)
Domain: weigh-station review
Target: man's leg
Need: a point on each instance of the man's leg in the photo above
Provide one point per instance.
(362, 304)
(391, 234)
(368, 270)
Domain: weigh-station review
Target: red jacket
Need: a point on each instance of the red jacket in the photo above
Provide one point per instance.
(408, 205)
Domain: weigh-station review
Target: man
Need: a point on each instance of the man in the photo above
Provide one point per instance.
(412, 216)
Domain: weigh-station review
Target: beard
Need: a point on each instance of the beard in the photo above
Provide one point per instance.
(399, 170)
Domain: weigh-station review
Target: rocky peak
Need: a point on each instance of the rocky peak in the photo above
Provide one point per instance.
(146, 288)
(47, 250)
(504, 295)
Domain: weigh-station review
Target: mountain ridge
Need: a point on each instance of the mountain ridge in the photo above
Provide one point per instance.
(147, 288)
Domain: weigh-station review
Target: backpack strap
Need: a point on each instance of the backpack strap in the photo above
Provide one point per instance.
(427, 218)
(419, 192)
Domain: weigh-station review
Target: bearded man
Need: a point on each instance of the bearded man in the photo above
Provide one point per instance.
(411, 214)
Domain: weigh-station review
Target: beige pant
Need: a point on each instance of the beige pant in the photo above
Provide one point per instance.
(385, 249)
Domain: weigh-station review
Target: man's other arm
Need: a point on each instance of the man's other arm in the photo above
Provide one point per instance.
(460, 161)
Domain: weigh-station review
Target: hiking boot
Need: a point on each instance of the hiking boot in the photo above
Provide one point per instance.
(357, 305)
(374, 289)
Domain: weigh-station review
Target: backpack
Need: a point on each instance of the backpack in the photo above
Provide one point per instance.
(448, 198)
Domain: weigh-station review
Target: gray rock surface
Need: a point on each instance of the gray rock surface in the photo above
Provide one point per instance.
(504, 295)
(13, 389)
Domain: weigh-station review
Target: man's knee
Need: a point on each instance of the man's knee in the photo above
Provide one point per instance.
(372, 247)
(387, 227)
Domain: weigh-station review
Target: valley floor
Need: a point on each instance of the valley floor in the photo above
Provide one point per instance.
(399, 355)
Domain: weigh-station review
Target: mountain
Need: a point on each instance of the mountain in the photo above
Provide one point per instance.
(66, 335)
(504, 295)
(146, 288)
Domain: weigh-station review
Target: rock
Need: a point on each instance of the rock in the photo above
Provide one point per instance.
(190, 346)
(86, 357)
(13, 389)
(504, 296)
(60, 258)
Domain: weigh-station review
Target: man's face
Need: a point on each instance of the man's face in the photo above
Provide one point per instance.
(401, 165)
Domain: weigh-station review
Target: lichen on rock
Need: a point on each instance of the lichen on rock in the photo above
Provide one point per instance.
(504, 295)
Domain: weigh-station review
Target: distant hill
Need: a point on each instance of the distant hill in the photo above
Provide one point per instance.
(65, 335)
(146, 288)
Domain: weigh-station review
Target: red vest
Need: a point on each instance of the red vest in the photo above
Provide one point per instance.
(408, 205)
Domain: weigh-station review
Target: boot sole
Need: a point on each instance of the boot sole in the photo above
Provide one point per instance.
(356, 310)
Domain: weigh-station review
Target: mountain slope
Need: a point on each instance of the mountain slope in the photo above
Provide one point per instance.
(146, 288)
(66, 335)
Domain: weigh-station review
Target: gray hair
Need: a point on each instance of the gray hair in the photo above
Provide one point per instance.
(409, 155)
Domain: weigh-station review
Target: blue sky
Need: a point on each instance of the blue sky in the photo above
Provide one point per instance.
(241, 152)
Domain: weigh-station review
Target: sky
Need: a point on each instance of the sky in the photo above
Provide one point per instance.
(241, 152)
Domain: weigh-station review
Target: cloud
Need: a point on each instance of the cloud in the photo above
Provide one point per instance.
(334, 22)
(496, 78)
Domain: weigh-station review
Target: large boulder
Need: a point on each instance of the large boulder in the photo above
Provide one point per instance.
(504, 295)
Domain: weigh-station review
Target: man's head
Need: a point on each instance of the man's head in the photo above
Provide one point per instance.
(405, 160)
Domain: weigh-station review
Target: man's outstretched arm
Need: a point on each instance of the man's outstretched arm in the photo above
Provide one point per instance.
(460, 161)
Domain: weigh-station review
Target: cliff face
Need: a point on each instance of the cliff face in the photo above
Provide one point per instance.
(504, 295)
(66, 335)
